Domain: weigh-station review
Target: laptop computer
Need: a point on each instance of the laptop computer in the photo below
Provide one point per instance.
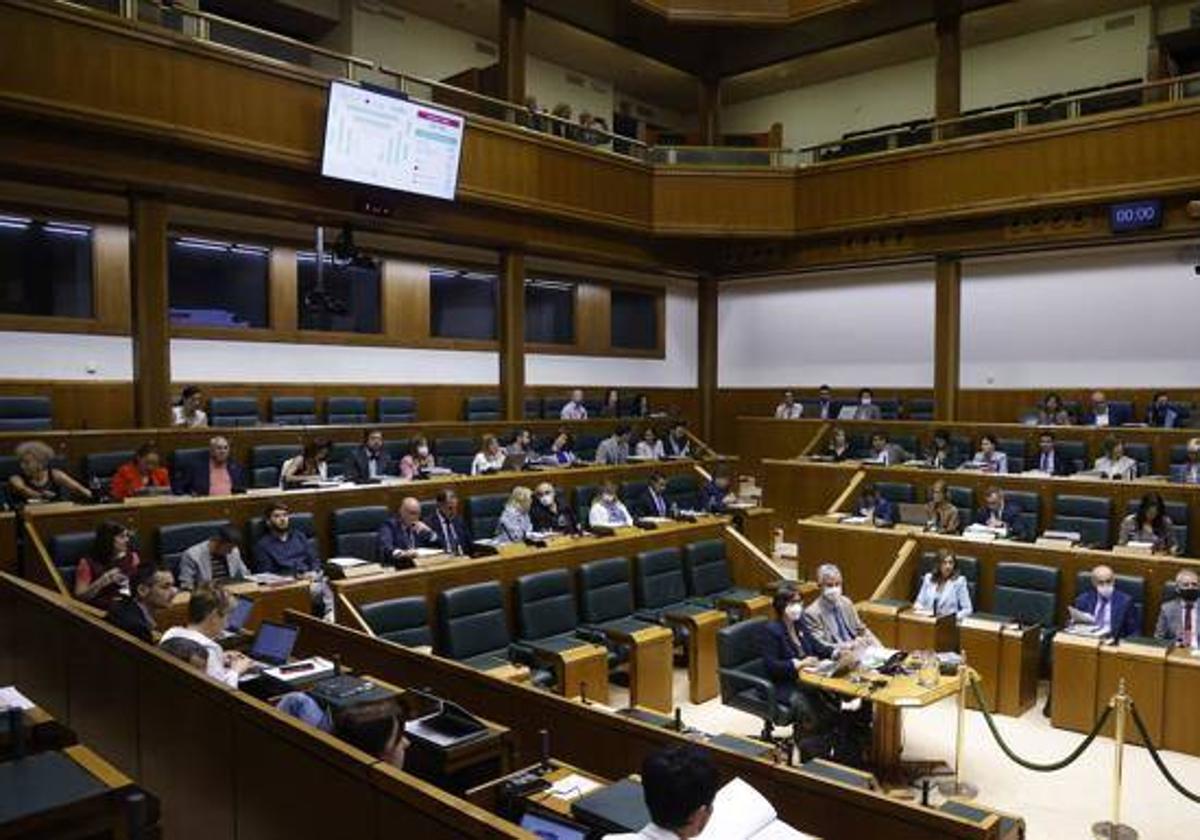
(515, 461)
(273, 644)
(552, 828)
(912, 513)
(847, 412)
(238, 616)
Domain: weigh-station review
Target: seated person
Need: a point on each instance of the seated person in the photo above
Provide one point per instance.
(989, 458)
(1048, 461)
(399, 537)
(787, 648)
(1150, 523)
(653, 502)
(873, 507)
(522, 442)
(216, 475)
(133, 477)
(996, 513)
(215, 560)
(641, 406)
(887, 454)
(614, 449)
(941, 516)
(1101, 413)
(448, 524)
(839, 446)
(102, 574)
(1114, 463)
(866, 408)
(826, 410)
(1191, 467)
(1052, 412)
(418, 460)
(514, 524)
(943, 590)
(287, 551)
(716, 494)
(150, 590)
(370, 460)
(562, 449)
(376, 728)
(677, 443)
(789, 409)
(312, 464)
(208, 613)
(679, 785)
(490, 458)
(37, 481)
(611, 407)
(831, 619)
(547, 514)
(1179, 618)
(941, 456)
(574, 409)
(189, 411)
(607, 509)
(1110, 608)
(1160, 414)
(650, 446)
(191, 652)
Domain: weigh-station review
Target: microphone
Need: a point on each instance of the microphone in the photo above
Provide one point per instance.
(678, 719)
(544, 735)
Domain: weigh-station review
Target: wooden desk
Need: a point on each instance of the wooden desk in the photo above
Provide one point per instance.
(270, 603)
(1143, 668)
(889, 700)
(919, 631)
(702, 630)
(579, 670)
(1074, 681)
(1181, 728)
(41, 732)
(1006, 658)
(486, 795)
(651, 666)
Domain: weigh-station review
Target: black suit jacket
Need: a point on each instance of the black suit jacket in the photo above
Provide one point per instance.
(1061, 465)
(126, 615)
(778, 652)
(357, 465)
(1010, 516)
(645, 505)
(459, 535)
(192, 478)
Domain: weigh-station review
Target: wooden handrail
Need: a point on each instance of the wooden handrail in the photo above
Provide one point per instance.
(885, 589)
(851, 490)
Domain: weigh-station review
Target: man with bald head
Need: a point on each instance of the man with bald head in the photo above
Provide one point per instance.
(1103, 413)
(397, 540)
(1179, 618)
(1109, 607)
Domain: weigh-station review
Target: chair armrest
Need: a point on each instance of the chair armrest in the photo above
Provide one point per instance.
(521, 654)
(591, 634)
(742, 680)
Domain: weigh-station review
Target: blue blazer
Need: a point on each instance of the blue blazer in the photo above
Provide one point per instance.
(1118, 415)
(1123, 613)
(192, 478)
(885, 511)
(1009, 516)
(779, 653)
(711, 498)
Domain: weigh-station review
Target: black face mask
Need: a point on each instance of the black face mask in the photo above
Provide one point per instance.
(1189, 596)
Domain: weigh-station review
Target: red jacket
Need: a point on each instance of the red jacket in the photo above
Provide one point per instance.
(127, 480)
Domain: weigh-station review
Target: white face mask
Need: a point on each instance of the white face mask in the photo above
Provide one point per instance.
(1105, 590)
(832, 593)
(547, 499)
(866, 400)
(608, 499)
(794, 611)
(423, 451)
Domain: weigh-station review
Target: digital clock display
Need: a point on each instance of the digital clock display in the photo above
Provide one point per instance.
(1135, 215)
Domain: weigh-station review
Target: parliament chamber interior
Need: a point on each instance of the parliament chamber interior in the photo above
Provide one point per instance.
(612, 418)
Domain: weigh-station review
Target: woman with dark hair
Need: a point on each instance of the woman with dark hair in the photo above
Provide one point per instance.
(641, 406)
(100, 576)
(1150, 524)
(189, 411)
(943, 590)
(562, 448)
(839, 446)
(376, 728)
(1114, 463)
(989, 458)
(612, 404)
(941, 516)
(1052, 412)
(312, 464)
(418, 460)
(134, 477)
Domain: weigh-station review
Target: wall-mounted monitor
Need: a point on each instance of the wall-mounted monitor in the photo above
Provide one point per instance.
(385, 140)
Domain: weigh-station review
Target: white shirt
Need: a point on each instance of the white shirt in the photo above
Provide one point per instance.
(1124, 467)
(789, 412)
(613, 516)
(484, 462)
(573, 411)
(649, 832)
(292, 466)
(1102, 419)
(179, 418)
(650, 450)
(216, 657)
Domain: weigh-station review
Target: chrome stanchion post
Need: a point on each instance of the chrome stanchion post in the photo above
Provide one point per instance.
(1114, 829)
(958, 787)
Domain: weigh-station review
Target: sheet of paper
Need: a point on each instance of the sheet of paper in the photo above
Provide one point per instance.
(10, 697)
(739, 812)
(573, 786)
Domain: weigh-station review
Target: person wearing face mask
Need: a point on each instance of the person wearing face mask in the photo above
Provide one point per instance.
(1110, 608)
(607, 510)
(866, 408)
(832, 619)
(1190, 472)
(418, 460)
(1179, 618)
(548, 515)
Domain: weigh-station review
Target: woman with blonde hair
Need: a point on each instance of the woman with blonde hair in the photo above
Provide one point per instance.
(514, 524)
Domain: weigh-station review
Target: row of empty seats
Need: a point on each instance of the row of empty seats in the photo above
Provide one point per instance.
(1091, 516)
(302, 411)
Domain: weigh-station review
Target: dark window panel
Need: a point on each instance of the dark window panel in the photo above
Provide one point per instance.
(216, 284)
(634, 320)
(45, 268)
(351, 302)
(549, 311)
(462, 303)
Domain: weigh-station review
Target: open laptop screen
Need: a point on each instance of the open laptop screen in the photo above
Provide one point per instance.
(552, 829)
(274, 642)
(239, 615)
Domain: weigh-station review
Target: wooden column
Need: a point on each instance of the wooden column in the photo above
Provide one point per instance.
(512, 50)
(149, 325)
(948, 75)
(708, 357)
(947, 334)
(710, 111)
(512, 334)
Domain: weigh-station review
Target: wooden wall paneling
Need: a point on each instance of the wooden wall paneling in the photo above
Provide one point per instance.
(511, 318)
(593, 317)
(512, 50)
(948, 71)
(284, 290)
(707, 353)
(111, 276)
(947, 329)
(150, 330)
(708, 201)
(106, 718)
(406, 300)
